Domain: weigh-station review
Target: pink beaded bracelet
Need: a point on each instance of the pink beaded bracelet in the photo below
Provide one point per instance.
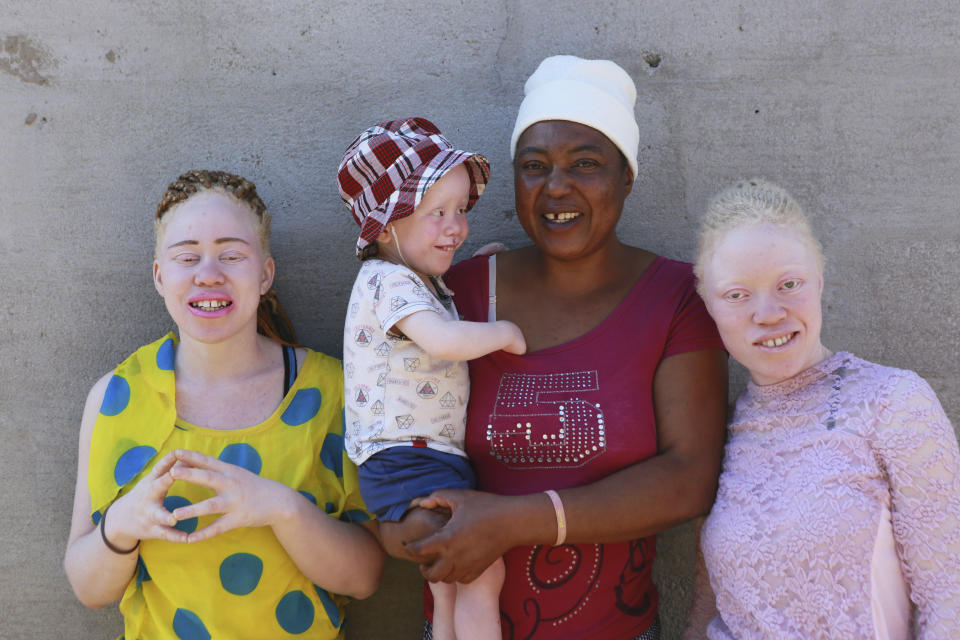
(561, 516)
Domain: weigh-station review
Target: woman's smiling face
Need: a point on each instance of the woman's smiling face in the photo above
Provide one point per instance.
(762, 285)
(210, 267)
(570, 184)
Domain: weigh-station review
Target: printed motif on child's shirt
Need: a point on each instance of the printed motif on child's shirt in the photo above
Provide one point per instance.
(396, 393)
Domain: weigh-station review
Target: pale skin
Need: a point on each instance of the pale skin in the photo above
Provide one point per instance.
(227, 377)
(762, 283)
(425, 242)
(567, 283)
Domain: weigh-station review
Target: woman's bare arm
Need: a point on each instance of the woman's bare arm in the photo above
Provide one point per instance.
(98, 575)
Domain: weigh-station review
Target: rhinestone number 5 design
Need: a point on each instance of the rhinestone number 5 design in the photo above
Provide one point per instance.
(544, 421)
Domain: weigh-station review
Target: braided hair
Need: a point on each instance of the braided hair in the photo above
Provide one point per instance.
(272, 319)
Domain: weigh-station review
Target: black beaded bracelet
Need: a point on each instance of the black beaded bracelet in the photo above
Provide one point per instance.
(110, 545)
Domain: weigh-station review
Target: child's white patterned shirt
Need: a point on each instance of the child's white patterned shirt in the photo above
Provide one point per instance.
(396, 393)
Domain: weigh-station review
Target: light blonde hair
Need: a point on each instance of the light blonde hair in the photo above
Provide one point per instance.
(750, 202)
(272, 319)
(200, 180)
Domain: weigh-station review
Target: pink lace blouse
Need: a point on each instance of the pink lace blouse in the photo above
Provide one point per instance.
(838, 512)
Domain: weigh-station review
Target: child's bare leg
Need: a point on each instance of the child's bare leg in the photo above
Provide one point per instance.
(416, 524)
(444, 596)
(476, 615)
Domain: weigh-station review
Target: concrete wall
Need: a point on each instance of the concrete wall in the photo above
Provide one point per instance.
(850, 104)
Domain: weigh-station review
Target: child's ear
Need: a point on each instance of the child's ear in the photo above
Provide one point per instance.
(385, 235)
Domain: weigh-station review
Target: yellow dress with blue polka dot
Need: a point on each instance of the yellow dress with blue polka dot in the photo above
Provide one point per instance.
(240, 584)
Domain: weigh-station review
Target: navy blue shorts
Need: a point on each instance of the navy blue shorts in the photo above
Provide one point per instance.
(390, 479)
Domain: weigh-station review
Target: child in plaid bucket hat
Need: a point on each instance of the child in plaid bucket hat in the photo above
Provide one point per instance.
(405, 377)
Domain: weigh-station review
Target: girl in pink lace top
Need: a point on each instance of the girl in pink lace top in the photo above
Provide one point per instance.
(838, 510)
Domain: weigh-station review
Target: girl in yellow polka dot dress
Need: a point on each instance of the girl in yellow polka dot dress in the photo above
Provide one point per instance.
(214, 498)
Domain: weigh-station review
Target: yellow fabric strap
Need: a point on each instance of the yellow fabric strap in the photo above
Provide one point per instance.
(136, 418)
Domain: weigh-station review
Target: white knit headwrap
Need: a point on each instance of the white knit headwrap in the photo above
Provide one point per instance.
(597, 93)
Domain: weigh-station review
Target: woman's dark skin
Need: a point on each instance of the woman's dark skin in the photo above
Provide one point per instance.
(565, 284)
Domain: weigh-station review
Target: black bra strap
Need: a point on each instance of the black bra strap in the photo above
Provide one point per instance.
(289, 368)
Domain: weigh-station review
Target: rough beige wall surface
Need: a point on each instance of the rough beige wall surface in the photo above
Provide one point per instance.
(850, 104)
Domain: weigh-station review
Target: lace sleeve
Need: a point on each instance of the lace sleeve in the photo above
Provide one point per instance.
(917, 448)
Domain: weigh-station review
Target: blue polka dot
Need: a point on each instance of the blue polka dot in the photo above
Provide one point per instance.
(333, 611)
(329, 507)
(309, 496)
(142, 574)
(331, 453)
(188, 626)
(96, 516)
(354, 515)
(165, 355)
(295, 612)
(242, 455)
(240, 573)
(305, 405)
(131, 463)
(116, 398)
(175, 502)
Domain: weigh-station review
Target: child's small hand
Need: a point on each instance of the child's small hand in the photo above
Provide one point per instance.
(515, 341)
(490, 248)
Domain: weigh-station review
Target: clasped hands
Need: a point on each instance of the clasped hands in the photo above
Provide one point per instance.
(242, 498)
(471, 540)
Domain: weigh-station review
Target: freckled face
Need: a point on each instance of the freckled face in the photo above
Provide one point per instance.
(211, 270)
(762, 286)
(570, 183)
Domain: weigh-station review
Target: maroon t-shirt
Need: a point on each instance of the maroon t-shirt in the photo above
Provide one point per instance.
(566, 416)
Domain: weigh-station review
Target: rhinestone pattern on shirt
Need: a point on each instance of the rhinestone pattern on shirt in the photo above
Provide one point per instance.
(540, 421)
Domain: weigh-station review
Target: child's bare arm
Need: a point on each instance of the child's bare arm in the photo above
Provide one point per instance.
(459, 340)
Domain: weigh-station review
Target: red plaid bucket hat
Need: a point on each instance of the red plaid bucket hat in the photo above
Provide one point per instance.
(386, 171)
